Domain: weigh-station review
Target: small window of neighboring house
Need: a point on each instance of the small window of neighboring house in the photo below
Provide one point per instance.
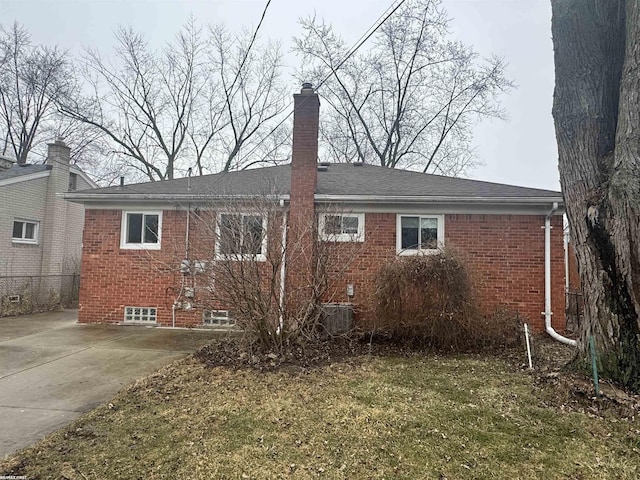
(25, 231)
(342, 227)
(141, 230)
(73, 182)
(418, 234)
(241, 237)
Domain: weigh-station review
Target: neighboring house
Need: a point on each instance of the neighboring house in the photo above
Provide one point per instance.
(41, 233)
(500, 230)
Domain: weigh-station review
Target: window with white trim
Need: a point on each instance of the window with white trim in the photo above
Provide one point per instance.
(416, 234)
(218, 318)
(25, 231)
(141, 230)
(342, 227)
(140, 314)
(241, 236)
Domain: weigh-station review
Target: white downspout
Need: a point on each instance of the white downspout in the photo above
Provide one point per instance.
(566, 261)
(283, 264)
(547, 281)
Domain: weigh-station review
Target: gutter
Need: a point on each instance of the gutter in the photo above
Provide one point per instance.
(82, 197)
(435, 199)
(547, 281)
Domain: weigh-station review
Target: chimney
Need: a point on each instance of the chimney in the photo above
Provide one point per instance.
(54, 225)
(304, 171)
(306, 113)
(58, 155)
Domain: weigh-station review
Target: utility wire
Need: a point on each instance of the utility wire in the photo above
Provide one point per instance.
(363, 38)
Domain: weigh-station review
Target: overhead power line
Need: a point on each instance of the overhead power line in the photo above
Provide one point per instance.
(363, 38)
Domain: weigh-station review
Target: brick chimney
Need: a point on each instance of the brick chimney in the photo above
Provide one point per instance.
(55, 221)
(304, 171)
(304, 156)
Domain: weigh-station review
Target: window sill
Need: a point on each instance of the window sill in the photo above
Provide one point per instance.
(241, 258)
(343, 237)
(24, 242)
(140, 246)
(415, 253)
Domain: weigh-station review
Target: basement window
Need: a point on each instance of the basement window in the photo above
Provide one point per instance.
(140, 314)
(241, 237)
(342, 227)
(25, 231)
(141, 230)
(419, 234)
(218, 318)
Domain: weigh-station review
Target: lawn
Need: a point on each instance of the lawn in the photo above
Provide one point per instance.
(368, 417)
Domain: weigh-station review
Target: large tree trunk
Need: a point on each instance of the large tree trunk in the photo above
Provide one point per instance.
(597, 116)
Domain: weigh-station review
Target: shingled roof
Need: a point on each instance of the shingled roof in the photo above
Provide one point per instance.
(334, 180)
(21, 170)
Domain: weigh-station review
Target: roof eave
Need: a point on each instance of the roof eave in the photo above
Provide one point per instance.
(437, 199)
(80, 197)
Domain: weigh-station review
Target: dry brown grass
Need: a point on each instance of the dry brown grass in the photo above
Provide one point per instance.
(368, 417)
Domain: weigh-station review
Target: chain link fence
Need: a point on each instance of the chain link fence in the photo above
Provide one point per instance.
(26, 294)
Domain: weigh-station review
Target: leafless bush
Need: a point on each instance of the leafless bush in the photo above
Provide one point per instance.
(241, 254)
(429, 300)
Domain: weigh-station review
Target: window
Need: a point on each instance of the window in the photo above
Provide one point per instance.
(218, 318)
(140, 314)
(141, 230)
(25, 231)
(241, 236)
(73, 182)
(419, 234)
(342, 228)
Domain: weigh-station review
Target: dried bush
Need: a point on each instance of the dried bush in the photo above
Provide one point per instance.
(429, 300)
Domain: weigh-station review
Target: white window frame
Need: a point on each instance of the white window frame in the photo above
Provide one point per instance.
(260, 257)
(139, 246)
(341, 237)
(419, 251)
(36, 231)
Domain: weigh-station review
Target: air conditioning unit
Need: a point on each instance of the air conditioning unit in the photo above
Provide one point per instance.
(337, 318)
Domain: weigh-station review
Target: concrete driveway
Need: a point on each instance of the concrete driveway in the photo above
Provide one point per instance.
(53, 369)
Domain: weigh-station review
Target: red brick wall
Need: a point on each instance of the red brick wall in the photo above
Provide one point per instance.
(505, 254)
(112, 278)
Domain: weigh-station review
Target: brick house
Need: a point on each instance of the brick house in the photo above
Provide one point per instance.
(511, 237)
(41, 234)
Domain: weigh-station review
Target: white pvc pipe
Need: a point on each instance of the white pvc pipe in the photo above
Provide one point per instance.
(565, 238)
(547, 281)
(526, 336)
(283, 265)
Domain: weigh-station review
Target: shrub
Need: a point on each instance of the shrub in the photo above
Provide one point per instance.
(429, 300)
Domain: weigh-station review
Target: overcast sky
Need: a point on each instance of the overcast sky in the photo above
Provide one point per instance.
(519, 151)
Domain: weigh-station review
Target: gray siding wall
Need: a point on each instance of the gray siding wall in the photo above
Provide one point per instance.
(23, 200)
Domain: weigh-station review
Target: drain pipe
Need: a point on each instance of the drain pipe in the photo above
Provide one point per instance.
(283, 264)
(547, 281)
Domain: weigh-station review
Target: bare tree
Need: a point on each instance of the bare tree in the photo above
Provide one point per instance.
(250, 96)
(32, 80)
(596, 105)
(197, 103)
(142, 101)
(411, 99)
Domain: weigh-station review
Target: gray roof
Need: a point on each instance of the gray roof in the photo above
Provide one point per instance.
(20, 170)
(338, 180)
